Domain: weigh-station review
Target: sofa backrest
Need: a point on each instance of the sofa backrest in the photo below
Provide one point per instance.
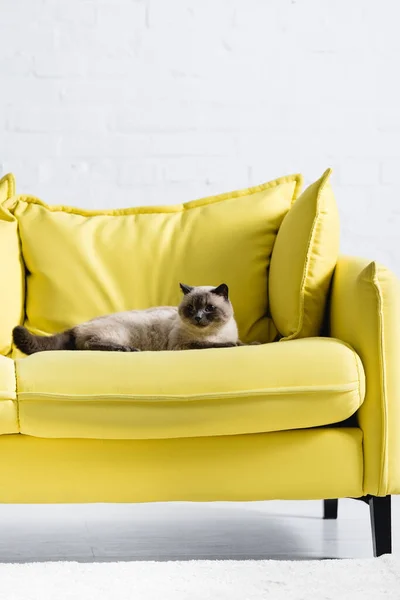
(82, 264)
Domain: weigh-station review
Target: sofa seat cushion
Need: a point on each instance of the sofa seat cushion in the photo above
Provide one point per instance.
(149, 395)
(8, 397)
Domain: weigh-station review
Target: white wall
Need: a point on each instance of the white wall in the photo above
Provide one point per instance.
(120, 102)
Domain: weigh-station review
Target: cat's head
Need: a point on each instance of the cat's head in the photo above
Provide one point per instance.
(205, 307)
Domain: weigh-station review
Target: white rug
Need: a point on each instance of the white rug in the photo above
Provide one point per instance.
(368, 579)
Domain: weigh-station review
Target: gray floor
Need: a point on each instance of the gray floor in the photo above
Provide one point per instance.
(184, 531)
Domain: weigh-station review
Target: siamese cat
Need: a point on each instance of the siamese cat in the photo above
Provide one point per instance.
(204, 319)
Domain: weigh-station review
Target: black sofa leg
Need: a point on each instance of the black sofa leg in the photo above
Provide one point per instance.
(381, 524)
(330, 509)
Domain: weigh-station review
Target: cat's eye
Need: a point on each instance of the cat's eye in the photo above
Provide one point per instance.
(209, 308)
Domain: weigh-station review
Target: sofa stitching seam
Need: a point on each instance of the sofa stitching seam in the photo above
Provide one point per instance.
(16, 397)
(357, 361)
(344, 388)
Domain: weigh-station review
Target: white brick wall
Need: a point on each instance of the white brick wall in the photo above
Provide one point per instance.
(122, 102)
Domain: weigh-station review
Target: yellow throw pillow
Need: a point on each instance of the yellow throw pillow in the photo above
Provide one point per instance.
(12, 283)
(82, 264)
(303, 259)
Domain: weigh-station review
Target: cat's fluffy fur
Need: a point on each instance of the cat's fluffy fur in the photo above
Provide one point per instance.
(204, 319)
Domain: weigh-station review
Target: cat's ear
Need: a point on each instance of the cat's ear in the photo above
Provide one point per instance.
(221, 290)
(186, 289)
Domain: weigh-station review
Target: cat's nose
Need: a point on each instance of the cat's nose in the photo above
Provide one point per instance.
(198, 318)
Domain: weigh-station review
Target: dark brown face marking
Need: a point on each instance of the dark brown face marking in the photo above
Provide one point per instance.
(221, 290)
(186, 289)
(206, 308)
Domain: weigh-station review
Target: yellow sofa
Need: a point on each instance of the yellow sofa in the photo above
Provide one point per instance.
(309, 418)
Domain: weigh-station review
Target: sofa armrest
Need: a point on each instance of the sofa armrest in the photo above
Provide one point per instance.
(365, 313)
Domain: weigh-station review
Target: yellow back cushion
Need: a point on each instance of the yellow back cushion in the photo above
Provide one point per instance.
(82, 264)
(12, 282)
(304, 257)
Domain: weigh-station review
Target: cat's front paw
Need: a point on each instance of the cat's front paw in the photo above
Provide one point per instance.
(127, 349)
